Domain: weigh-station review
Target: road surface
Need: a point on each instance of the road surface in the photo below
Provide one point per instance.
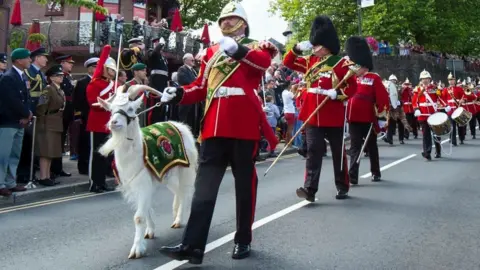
(424, 215)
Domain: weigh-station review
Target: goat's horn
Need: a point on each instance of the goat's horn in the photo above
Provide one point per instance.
(134, 90)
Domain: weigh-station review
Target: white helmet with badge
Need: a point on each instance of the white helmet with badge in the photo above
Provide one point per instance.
(234, 9)
(425, 75)
(392, 77)
(110, 63)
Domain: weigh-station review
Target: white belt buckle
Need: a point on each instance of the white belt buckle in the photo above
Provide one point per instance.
(222, 92)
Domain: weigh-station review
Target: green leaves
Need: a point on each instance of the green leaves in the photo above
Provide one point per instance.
(197, 12)
(441, 25)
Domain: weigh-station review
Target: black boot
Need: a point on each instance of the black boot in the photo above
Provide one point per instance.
(305, 194)
(376, 178)
(341, 195)
(240, 251)
(184, 252)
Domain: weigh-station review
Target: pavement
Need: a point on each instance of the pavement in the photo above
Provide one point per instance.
(424, 215)
(76, 184)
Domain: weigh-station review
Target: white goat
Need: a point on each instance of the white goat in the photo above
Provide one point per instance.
(138, 183)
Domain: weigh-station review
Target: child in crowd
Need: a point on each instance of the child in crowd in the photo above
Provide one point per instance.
(273, 113)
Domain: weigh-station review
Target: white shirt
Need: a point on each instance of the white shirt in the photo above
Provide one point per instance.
(287, 97)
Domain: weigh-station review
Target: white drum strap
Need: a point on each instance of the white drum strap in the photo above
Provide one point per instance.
(431, 101)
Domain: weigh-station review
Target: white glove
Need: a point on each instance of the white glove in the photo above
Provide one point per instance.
(228, 45)
(332, 93)
(304, 46)
(448, 109)
(398, 102)
(168, 94)
(417, 113)
(382, 123)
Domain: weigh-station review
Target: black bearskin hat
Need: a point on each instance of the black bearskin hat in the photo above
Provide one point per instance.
(359, 52)
(323, 33)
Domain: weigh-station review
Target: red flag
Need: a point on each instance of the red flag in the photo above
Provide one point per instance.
(176, 24)
(99, 17)
(34, 29)
(205, 35)
(16, 19)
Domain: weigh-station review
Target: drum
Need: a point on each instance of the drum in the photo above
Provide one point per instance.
(461, 116)
(439, 123)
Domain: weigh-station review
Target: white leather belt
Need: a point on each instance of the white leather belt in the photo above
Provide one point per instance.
(229, 91)
(407, 103)
(159, 71)
(318, 91)
(469, 103)
(425, 104)
(450, 100)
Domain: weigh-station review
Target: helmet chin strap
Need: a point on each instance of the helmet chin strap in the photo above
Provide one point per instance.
(230, 30)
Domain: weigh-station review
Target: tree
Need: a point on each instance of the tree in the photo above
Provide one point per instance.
(196, 12)
(442, 25)
(90, 4)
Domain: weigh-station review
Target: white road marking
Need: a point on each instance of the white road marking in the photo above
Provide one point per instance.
(229, 237)
(390, 165)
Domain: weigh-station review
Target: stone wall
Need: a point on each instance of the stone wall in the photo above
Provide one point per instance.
(410, 67)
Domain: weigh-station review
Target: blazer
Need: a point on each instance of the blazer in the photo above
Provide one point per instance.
(80, 103)
(185, 75)
(15, 99)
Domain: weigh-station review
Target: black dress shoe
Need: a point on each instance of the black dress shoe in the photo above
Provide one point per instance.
(376, 178)
(402, 142)
(96, 189)
(438, 155)
(427, 156)
(183, 252)
(46, 182)
(240, 251)
(64, 174)
(305, 194)
(107, 188)
(341, 195)
(353, 181)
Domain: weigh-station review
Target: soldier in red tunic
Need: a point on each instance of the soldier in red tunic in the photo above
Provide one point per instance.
(101, 86)
(371, 100)
(425, 102)
(452, 95)
(231, 129)
(323, 71)
(406, 99)
(469, 99)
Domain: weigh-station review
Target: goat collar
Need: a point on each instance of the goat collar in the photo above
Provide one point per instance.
(129, 119)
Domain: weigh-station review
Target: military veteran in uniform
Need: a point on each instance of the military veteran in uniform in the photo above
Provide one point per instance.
(50, 124)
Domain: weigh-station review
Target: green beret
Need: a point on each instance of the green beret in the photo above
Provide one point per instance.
(139, 66)
(20, 53)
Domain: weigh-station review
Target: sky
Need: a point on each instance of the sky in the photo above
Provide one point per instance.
(262, 24)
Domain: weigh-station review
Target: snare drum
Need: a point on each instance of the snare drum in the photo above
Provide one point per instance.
(461, 116)
(439, 123)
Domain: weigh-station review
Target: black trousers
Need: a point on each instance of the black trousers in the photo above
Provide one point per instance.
(23, 169)
(392, 125)
(316, 148)
(473, 123)
(83, 148)
(412, 121)
(191, 115)
(215, 155)
(427, 139)
(358, 134)
(98, 164)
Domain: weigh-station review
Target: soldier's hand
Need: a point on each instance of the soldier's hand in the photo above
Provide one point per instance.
(398, 103)
(228, 45)
(168, 94)
(382, 124)
(417, 113)
(332, 93)
(304, 46)
(448, 109)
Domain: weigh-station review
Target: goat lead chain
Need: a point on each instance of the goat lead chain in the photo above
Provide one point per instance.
(158, 104)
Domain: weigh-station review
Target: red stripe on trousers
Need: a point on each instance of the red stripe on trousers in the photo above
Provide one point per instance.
(345, 166)
(254, 186)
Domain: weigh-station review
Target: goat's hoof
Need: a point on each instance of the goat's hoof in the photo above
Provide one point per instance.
(149, 236)
(137, 251)
(176, 225)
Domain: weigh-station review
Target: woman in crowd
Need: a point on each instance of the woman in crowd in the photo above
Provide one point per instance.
(50, 124)
(288, 98)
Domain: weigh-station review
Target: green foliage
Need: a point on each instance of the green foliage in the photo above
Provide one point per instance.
(197, 12)
(441, 25)
(90, 4)
(38, 37)
(16, 39)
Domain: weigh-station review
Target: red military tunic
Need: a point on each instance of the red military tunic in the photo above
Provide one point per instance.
(232, 109)
(300, 99)
(422, 103)
(101, 87)
(452, 96)
(469, 102)
(406, 99)
(318, 74)
(371, 100)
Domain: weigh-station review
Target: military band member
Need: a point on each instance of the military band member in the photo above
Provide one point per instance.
(101, 85)
(132, 55)
(453, 95)
(37, 82)
(397, 115)
(424, 102)
(157, 67)
(469, 105)
(371, 100)
(406, 100)
(81, 110)
(231, 130)
(323, 71)
(139, 77)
